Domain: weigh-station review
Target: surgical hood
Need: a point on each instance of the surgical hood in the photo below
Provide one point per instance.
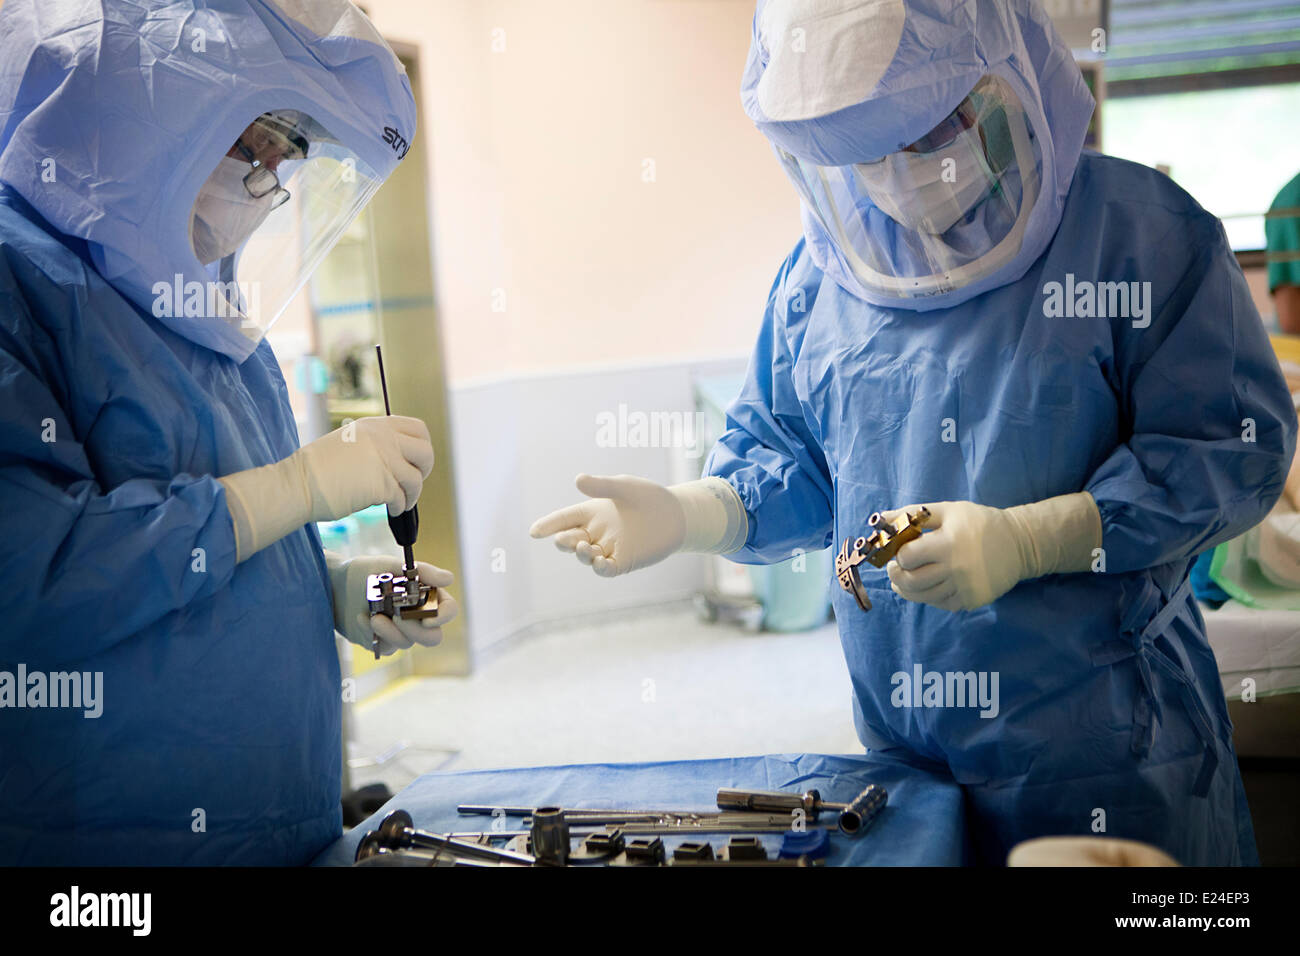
(115, 113)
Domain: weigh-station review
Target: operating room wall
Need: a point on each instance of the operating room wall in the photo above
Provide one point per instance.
(598, 195)
(606, 222)
(519, 444)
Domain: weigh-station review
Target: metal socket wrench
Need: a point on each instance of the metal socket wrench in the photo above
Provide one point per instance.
(855, 816)
(550, 836)
(863, 809)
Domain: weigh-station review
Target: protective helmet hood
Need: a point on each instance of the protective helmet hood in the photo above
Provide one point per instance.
(114, 114)
(842, 82)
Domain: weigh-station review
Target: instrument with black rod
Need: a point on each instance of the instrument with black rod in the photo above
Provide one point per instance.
(403, 594)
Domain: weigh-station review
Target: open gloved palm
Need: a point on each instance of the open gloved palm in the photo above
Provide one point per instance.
(627, 523)
(630, 523)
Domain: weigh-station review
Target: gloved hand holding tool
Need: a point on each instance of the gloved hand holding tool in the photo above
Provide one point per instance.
(976, 554)
(404, 596)
(382, 633)
(877, 548)
(367, 462)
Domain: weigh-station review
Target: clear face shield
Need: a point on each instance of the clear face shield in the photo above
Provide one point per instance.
(946, 211)
(276, 203)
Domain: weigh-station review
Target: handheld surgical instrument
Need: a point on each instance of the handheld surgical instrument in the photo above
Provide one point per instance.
(402, 595)
(878, 548)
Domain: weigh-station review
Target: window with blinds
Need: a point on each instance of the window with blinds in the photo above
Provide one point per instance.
(1156, 46)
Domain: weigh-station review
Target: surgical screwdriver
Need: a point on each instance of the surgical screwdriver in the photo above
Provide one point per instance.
(406, 526)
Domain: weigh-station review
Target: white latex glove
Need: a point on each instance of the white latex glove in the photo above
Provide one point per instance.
(381, 460)
(372, 461)
(631, 522)
(352, 614)
(1086, 851)
(976, 554)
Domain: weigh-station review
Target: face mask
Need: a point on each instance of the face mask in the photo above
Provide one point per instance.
(911, 188)
(225, 214)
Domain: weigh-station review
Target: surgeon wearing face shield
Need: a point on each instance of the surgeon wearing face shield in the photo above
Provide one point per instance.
(244, 189)
(1075, 458)
(161, 202)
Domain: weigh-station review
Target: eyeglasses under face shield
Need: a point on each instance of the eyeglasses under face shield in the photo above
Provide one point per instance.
(269, 141)
(258, 246)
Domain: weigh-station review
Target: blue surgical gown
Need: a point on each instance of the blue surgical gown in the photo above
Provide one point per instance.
(1110, 716)
(218, 738)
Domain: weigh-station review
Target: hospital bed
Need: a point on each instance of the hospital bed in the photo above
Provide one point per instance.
(1264, 645)
(1255, 644)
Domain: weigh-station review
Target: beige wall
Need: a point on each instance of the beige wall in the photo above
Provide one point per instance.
(536, 167)
(1257, 280)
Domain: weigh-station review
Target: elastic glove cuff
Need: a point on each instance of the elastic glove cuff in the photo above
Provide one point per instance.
(265, 504)
(716, 522)
(337, 565)
(1060, 534)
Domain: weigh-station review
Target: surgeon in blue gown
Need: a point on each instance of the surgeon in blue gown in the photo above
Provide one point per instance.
(169, 176)
(1056, 353)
